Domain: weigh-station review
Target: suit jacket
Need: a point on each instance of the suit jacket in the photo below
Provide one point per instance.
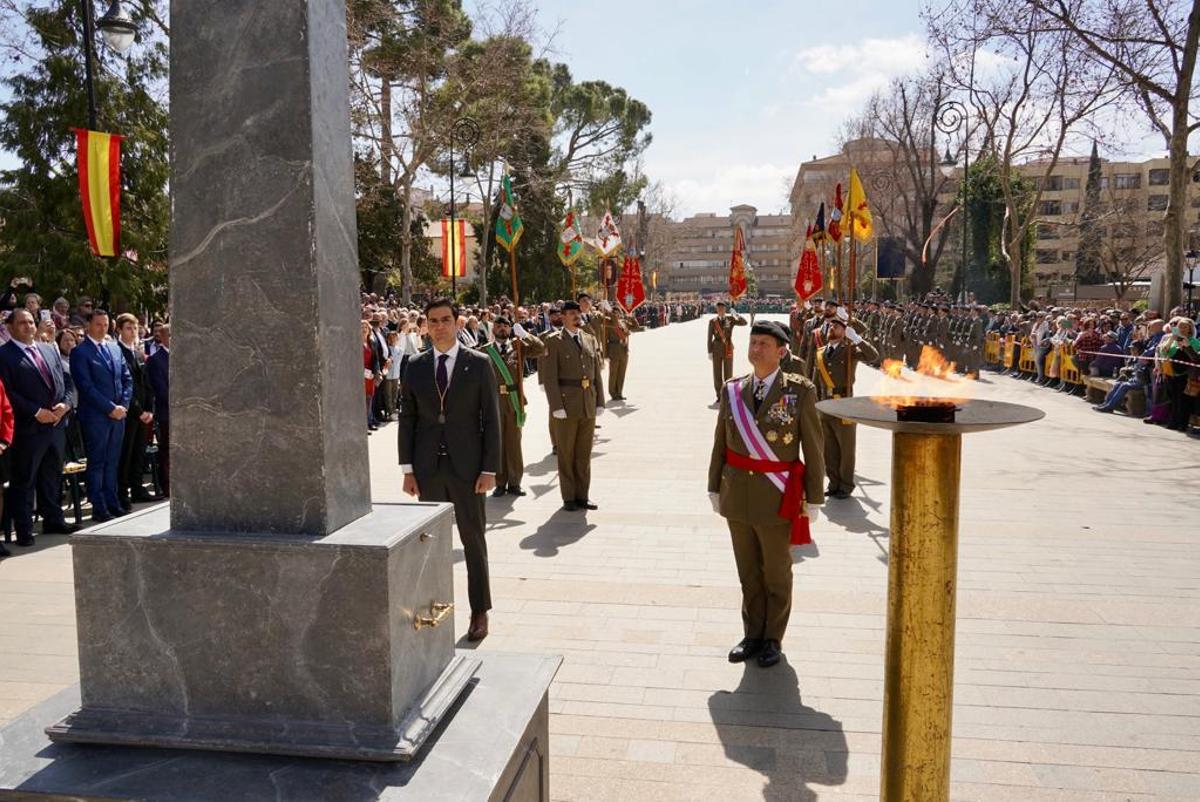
(566, 367)
(158, 372)
(103, 385)
(793, 432)
(472, 428)
(142, 398)
(720, 332)
(28, 391)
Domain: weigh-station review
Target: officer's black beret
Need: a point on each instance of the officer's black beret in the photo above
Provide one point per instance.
(772, 329)
(569, 305)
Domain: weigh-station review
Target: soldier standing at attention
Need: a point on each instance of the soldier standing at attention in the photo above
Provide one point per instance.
(508, 354)
(835, 379)
(575, 390)
(720, 346)
(766, 467)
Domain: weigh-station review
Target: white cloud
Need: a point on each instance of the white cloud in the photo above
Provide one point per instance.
(761, 185)
(843, 76)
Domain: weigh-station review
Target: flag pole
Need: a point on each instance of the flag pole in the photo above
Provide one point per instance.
(852, 295)
(512, 269)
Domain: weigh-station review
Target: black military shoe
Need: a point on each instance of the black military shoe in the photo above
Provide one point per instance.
(770, 653)
(516, 491)
(498, 492)
(745, 650)
(570, 506)
(584, 504)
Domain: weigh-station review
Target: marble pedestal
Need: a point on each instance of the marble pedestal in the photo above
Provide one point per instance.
(493, 746)
(337, 646)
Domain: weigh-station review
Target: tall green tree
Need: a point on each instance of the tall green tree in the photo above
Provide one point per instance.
(44, 234)
(1091, 231)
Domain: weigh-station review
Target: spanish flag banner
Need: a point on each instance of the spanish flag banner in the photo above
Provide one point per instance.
(100, 188)
(454, 248)
(858, 213)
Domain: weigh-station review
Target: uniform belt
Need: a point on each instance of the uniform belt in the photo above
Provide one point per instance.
(584, 383)
(791, 505)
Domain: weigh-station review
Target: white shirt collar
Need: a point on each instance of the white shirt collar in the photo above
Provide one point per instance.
(452, 352)
(99, 343)
(768, 382)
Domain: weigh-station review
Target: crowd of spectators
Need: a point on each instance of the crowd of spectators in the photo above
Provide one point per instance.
(1144, 353)
(78, 387)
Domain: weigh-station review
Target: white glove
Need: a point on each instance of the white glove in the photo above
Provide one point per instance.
(561, 414)
(812, 513)
(519, 330)
(853, 336)
(599, 411)
(807, 305)
(715, 500)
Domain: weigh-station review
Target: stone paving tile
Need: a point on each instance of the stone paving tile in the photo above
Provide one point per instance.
(1077, 675)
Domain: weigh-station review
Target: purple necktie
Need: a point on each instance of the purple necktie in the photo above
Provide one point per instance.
(42, 367)
(443, 379)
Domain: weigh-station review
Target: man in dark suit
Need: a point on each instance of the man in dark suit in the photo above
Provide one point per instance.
(105, 388)
(132, 465)
(41, 394)
(158, 371)
(449, 434)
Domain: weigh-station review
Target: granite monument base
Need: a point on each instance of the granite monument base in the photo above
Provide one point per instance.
(339, 646)
(492, 746)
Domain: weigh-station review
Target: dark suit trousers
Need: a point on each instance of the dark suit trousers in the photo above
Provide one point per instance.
(133, 458)
(764, 564)
(470, 519)
(102, 443)
(37, 461)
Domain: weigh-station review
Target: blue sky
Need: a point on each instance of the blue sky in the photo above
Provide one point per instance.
(741, 93)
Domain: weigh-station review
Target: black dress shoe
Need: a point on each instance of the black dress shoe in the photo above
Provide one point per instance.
(745, 650)
(101, 518)
(121, 513)
(840, 494)
(498, 492)
(25, 541)
(516, 491)
(570, 506)
(142, 498)
(584, 504)
(770, 653)
(4, 552)
(61, 529)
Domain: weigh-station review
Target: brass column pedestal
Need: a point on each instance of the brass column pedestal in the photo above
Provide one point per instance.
(918, 697)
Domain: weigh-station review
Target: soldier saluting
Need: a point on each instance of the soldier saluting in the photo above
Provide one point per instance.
(508, 352)
(835, 379)
(720, 345)
(766, 467)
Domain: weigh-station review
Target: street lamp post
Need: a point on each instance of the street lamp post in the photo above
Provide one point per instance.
(1191, 258)
(119, 32)
(466, 131)
(950, 117)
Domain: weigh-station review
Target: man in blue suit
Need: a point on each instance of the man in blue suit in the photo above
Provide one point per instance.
(105, 388)
(42, 395)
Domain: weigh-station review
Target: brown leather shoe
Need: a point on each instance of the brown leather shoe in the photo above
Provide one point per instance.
(479, 626)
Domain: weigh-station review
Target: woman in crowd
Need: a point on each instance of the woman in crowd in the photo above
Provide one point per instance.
(371, 369)
(1179, 353)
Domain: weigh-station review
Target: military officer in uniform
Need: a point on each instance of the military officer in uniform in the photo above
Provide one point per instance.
(554, 319)
(575, 390)
(720, 345)
(768, 433)
(617, 330)
(835, 379)
(511, 346)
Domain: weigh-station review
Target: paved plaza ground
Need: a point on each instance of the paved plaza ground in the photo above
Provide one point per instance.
(1078, 665)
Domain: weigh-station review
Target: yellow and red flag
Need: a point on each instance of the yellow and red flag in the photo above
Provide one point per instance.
(737, 265)
(858, 214)
(100, 188)
(454, 248)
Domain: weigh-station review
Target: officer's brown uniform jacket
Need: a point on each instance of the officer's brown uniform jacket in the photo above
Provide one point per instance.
(565, 369)
(531, 348)
(788, 420)
(617, 330)
(716, 344)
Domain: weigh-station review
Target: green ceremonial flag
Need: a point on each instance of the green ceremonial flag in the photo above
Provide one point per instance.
(508, 225)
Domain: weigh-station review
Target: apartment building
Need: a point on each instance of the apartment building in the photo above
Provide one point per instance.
(697, 260)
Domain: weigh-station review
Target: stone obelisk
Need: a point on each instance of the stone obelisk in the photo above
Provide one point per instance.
(274, 610)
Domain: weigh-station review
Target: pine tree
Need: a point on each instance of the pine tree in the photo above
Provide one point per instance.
(43, 233)
(1087, 256)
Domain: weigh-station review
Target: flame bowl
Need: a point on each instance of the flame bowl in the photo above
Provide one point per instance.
(906, 415)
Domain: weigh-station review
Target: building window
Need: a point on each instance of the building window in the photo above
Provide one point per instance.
(1050, 208)
(1047, 231)
(1046, 257)
(1159, 178)
(1070, 183)
(1068, 256)
(1070, 207)
(1156, 203)
(1127, 180)
(1051, 183)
